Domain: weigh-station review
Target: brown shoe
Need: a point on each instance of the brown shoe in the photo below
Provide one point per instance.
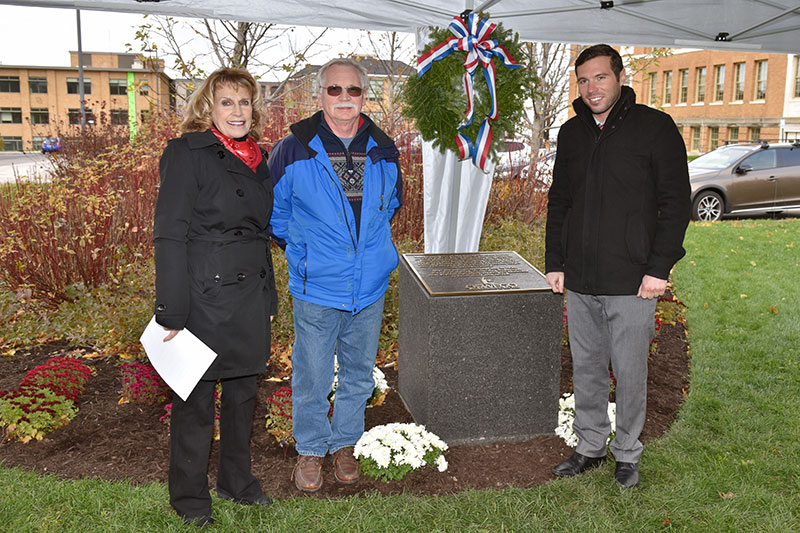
(307, 473)
(345, 466)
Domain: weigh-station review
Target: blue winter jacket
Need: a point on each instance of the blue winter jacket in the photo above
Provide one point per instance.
(330, 263)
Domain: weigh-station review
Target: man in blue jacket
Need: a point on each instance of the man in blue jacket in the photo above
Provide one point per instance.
(617, 213)
(337, 184)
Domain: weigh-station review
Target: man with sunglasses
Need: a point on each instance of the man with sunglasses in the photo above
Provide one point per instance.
(337, 185)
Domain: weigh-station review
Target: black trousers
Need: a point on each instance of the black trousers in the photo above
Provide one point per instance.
(191, 434)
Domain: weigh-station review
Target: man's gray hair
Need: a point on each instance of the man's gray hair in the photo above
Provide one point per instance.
(347, 62)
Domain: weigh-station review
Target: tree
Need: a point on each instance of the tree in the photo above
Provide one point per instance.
(225, 43)
(550, 63)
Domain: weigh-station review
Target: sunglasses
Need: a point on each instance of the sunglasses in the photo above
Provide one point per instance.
(335, 90)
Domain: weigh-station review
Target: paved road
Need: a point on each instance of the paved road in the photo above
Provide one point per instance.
(23, 164)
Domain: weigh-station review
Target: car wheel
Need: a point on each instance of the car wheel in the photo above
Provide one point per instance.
(708, 206)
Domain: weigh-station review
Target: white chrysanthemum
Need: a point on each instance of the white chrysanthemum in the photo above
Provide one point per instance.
(400, 444)
(566, 416)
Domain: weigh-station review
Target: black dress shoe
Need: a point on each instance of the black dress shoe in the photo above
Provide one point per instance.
(204, 520)
(627, 474)
(577, 464)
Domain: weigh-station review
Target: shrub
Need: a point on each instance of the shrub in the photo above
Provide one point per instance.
(64, 376)
(279, 416)
(92, 219)
(30, 412)
(45, 401)
(142, 384)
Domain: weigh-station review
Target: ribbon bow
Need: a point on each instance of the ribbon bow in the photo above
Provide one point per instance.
(472, 37)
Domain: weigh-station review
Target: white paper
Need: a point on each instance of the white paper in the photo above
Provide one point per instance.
(181, 361)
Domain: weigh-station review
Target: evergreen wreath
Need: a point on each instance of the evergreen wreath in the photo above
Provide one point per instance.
(437, 101)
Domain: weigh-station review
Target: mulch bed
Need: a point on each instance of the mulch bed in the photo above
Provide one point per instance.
(127, 442)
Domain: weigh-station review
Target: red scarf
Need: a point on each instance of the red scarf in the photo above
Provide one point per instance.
(246, 150)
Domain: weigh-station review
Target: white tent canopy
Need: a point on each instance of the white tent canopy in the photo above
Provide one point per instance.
(768, 25)
(455, 192)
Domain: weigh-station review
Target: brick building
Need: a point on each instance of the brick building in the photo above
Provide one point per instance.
(720, 96)
(38, 101)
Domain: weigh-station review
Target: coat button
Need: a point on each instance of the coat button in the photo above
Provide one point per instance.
(263, 273)
(240, 276)
(239, 192)
(221, 154)
(161, 307)
(216, 278)
(238, 233)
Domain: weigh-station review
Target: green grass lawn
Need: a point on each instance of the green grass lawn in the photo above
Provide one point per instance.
(731, 462)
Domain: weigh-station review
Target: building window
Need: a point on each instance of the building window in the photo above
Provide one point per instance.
(739, 71)
(713, 138)
(755, 134)
(653, 87)
(719, 82)
(9, 84)
(668, 87)
(11, 115)
(119, 117)
(72, 86)
(733, 134)
(797, 77)
(40, 115)
(37, 85)
(74, 116)
(701, 84)
(12, 144)
(118, 87)
(144, 114)
(36, 142)
(761, 80)
(144, 89)
(375, 92)
(683, 95)
(695, 138)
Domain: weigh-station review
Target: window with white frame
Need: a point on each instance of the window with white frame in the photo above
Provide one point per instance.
(668, 87)
(719, 82)
(739, 71)
(700, 80)
(761, 80)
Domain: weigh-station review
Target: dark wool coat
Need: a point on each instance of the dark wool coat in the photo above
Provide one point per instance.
(213, 264)
(619, 203)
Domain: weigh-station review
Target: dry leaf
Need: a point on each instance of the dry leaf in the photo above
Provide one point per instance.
(726, 496)
(774, 309)
(742, 296)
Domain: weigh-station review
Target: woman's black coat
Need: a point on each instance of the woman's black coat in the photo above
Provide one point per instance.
(213, 263)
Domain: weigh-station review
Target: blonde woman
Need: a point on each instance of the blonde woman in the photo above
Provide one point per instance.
(214, 277)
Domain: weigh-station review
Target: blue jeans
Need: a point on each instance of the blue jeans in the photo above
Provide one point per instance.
(319, 332)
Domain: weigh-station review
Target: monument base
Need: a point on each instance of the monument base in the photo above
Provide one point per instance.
(482, 365)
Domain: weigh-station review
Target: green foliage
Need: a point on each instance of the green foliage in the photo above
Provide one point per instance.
(31, 412)
(279, 416)
(45, 400)
(437, 102)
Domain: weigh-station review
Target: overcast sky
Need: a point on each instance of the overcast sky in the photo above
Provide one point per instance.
(44, 36)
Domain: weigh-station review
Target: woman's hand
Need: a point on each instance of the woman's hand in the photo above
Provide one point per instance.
(171, 334)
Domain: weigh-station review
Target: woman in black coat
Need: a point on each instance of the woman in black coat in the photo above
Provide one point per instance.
(214, 277)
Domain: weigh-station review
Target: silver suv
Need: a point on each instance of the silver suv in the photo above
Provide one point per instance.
(740, 179)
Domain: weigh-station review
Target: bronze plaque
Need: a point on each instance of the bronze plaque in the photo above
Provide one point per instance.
(475, 273)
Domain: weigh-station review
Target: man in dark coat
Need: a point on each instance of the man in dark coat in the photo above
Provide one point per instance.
(617, 213)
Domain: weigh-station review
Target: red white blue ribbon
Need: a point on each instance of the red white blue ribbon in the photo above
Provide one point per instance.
(472, 37)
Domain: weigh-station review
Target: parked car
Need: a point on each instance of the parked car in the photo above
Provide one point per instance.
(51, 144)
(742, 179)
(513, 157)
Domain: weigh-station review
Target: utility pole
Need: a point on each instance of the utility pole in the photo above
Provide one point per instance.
(80, 75)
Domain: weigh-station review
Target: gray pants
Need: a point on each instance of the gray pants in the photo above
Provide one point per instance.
(616, 329)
